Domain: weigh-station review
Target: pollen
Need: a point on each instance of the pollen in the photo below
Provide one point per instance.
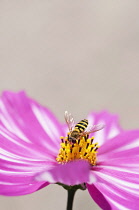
(83, 148)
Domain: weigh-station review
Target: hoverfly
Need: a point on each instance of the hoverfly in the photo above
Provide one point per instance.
(80, 129)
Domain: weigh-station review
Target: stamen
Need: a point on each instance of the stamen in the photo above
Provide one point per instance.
(62, 139)
(80, 149)
(83, 148)
(92, 139)
(87, 145)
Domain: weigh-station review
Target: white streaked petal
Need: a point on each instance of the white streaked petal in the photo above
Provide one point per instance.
(113, 132)
(12, 127)
(99, 137)
(4, 153)
(109, 189)
(45, 122)
(17, 172)
(91, 120)
(9, 123)
(7, 158)
(127, 189)
(46, 176)
(120, 169)
(113, 179)
(133, 144)
(119, 206)
(37, 166)
(8, 137)
(7, 183)
(92, 178)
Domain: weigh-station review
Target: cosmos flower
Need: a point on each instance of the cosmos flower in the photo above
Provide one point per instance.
(33, 155)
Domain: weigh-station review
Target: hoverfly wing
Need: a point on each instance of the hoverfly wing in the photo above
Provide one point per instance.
(94, 128)
(69, 120)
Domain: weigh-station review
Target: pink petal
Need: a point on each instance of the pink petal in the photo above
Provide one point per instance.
(107, 195)
(11, 143)
(17, 175)
(119, 187)
(117, 195)
(65, 129)
(20, 189)
(29, 121)
(117, 172)
(124, 145)
(98, 197)
(131, 162)
(111, 128)
(72, 173)
(27, 147)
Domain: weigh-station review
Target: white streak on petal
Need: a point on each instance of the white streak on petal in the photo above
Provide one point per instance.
(13, 160)
(45, 122)
(9, 138)
(133, 144)
(129, 190)
(119, 206)
(46, 176)
(92, 178)
(99, 137)
(120, 169)
(8, 183)
(113, 132)
(122, 182)
(9, 124)
(17, 157)
(18, 173)
(109, 189)
(91, 120)
(37, 153)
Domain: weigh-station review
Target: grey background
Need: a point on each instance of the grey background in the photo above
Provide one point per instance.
(71, 55)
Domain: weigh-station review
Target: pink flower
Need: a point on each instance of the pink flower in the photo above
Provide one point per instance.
(30, 143)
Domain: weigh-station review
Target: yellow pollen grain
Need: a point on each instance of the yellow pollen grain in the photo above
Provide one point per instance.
(83, 149)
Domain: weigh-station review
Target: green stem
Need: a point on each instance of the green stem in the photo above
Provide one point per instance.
(71, 193)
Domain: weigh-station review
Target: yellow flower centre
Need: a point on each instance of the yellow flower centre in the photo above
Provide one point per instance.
(82, 148)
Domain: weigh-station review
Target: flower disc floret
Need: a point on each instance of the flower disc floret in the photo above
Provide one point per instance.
(83, 149)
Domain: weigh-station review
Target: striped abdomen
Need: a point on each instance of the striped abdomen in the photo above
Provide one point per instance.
(81, 126)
